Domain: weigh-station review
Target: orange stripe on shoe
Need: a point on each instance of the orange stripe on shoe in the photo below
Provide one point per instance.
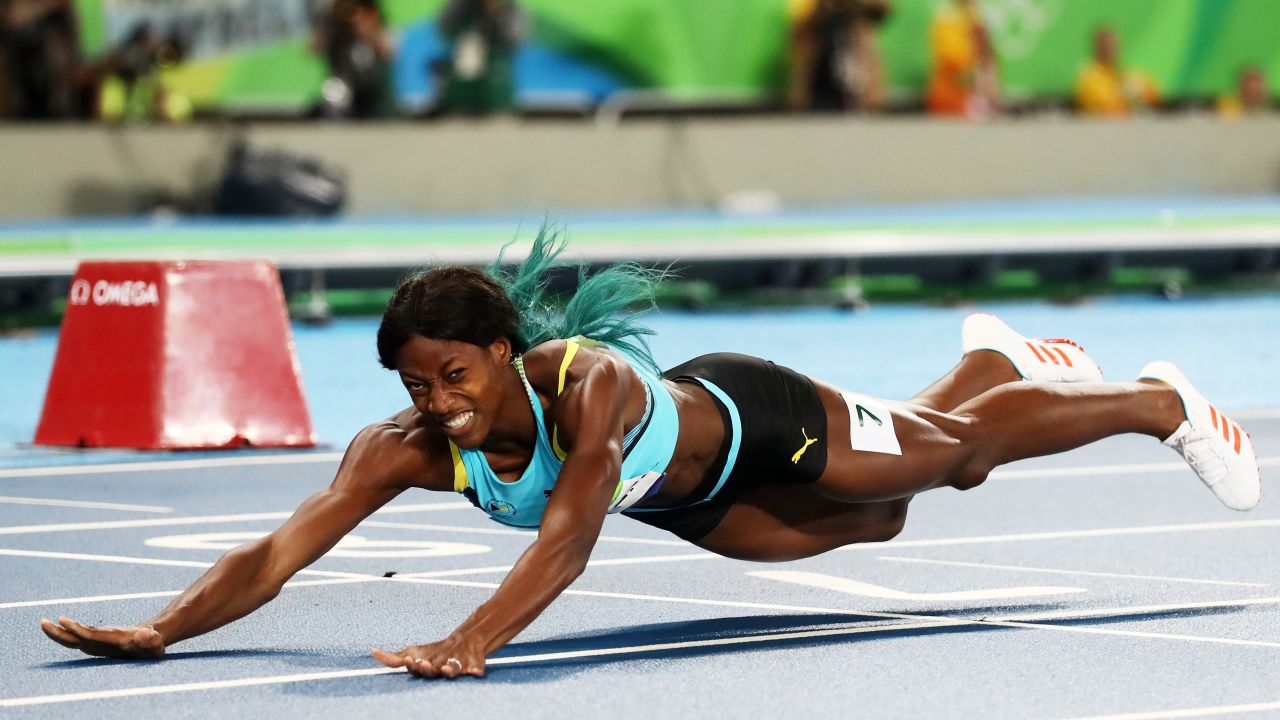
(1065, 359)
(1052, 358)
(1213, 414)
(1226, 429)
(1238, 433)
(1037, 352)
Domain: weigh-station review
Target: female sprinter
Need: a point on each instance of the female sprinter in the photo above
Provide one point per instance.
(734, 454)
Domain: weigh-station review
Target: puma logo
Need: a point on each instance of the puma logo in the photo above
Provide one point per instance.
(795, 459)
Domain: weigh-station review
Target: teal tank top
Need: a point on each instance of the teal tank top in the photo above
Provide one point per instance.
(646, 450)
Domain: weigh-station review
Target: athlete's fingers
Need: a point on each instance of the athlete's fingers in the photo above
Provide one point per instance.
(476, 669)
(81, 631)
(428, 669)
(391, 660)
(59, 635)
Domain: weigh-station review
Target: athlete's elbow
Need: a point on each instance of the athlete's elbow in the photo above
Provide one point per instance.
(571, 557)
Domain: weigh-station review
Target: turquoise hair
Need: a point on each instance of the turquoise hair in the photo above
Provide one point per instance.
(606, 307)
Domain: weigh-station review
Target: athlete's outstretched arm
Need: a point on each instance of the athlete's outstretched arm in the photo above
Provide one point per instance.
(591, 412)
(251, 575)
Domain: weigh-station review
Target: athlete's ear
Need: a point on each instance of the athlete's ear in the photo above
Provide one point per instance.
(500, 351)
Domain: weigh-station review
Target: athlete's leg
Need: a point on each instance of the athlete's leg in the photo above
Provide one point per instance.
(776, 523)
(1007, 423)
(996, 354)
(977, 372)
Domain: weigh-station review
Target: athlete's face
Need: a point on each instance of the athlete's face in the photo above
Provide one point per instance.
(456, 385)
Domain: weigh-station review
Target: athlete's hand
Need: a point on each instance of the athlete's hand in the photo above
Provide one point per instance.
(450, 658)
(120, 642)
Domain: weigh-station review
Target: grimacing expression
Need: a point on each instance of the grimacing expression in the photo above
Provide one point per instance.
(455, 384)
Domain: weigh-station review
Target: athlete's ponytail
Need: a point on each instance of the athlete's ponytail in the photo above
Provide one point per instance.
(606, 307)
(458, 303)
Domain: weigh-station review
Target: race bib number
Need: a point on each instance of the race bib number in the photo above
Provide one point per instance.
(871, 425)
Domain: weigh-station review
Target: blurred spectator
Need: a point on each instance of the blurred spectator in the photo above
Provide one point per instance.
(964, 79)
(354, 41)
(133, 79)
(40, 70)
(483, 35)
(1105, 88)
(835, 55)
(1250, 97)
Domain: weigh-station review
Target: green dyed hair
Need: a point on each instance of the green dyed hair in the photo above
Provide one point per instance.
(606, 307)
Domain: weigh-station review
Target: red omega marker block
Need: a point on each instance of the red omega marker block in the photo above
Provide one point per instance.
(175, 355)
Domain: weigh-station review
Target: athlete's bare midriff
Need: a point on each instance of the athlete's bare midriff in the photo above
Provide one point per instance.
(701, 434)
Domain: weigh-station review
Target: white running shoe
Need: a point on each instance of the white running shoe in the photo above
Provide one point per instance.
(1218, 449)
(1040, 360)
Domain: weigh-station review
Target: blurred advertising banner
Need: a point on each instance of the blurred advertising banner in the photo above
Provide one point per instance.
(245, 54)
(208, 29)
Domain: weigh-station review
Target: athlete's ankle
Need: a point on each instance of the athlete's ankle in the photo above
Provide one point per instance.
(1167, 407)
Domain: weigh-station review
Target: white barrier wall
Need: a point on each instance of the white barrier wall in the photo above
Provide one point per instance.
(506, 164)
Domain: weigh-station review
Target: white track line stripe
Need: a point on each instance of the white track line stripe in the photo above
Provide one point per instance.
(1085, 613)
(158, 465)
(1064, 534)
(1189, 712)
(166, 593)
(52, 502)
(501, 531)
(332, 578)
(132, 560)
(1088, 470)
(208, 519)
(608, 562)
(1058, 571)
(89, 599)
(126, 559)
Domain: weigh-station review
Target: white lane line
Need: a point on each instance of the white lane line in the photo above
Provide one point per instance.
(504, 531)
(1065, 534)
(1189, 712)
(158, 465)
(1088, 470)
(1085, 613)
(333, 578)
(492, 662)
(208, 519)
(132, 560)
(607, 562)
(52, 502)
(166, 593)
(849, 586)
(1058, 571)
(126, 559)
(88, 599)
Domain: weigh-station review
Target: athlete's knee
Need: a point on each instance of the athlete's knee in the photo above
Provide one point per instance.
(894, 520)
(979, 451)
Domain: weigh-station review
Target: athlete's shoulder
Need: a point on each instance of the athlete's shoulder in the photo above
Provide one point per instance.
(401, 452)
(555, 366)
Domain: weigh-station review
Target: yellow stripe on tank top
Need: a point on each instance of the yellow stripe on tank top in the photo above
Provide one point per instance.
(459, 470)
(571, 349)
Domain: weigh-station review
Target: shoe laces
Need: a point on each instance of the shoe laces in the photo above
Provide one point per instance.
(1204, 453)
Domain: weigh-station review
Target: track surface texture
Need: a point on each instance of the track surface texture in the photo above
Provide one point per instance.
(1103, 581)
